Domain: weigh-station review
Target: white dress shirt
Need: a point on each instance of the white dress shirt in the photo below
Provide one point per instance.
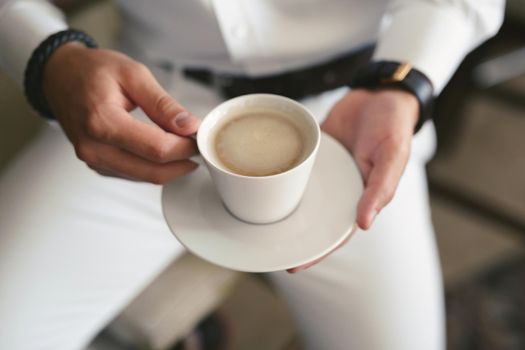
(260, 37)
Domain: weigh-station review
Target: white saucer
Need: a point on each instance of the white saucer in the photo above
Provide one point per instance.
(323, 219)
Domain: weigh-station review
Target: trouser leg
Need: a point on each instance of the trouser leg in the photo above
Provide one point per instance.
(382, 291)
(75, 247)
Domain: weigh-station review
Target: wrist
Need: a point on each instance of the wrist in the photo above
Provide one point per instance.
(399, 76)
(407, 102)
(59, 60)
(63, 53)
(403, 103)
(37, 66)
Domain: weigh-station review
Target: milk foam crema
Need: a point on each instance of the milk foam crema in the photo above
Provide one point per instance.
(259, 144)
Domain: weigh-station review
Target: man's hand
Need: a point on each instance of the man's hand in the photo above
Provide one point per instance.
(377, 128)
(92, 91)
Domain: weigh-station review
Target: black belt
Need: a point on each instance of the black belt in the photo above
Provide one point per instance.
(295, 84)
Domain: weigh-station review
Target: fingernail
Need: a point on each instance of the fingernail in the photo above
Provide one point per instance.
(181, 120)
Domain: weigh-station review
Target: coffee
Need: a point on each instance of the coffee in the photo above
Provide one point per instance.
(259, 144)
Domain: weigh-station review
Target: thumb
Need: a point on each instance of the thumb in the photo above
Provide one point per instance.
(185, 123)
(159, 106)
(381, 184)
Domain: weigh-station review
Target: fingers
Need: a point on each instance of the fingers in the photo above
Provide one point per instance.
(316, 261)
(146, 92)
(112, 161)
(113, 125)
(92, 106)
(381, 182)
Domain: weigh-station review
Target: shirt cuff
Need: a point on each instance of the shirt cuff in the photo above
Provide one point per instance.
(24, 25)
(432, 37)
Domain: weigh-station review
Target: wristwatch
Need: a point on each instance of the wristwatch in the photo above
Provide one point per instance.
(389, 74)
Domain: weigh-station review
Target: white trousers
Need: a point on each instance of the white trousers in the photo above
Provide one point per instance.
(76, 247)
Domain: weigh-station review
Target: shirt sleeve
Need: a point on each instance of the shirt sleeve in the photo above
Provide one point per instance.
(24, 24)
(435, 35)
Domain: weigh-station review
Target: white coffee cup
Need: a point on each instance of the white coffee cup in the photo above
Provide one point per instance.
(259, 199)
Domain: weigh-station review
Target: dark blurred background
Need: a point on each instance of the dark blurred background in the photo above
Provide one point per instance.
(477, 186)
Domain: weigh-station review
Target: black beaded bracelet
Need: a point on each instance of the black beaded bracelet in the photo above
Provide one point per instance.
(34, 72)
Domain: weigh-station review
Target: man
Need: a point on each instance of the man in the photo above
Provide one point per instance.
(76, 246)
